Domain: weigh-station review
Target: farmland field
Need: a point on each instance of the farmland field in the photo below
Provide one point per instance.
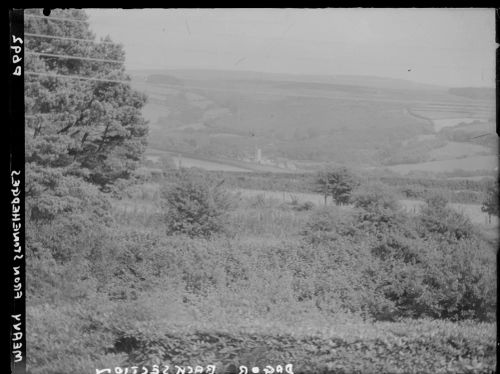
(455, 150)
(451, 122)
(468, 164)
(208, 165)
(341, 120)
(473, 211)
(148, 205)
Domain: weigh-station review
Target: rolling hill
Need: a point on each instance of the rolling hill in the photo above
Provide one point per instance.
(309, 120)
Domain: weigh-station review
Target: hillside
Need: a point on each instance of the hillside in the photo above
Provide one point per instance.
(353, 120)
(204, 242)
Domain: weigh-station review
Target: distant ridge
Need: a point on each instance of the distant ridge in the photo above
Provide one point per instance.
(163, 79)
(354, 80)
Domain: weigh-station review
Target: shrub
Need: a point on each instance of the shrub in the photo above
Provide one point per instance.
(300, 207)
(461, 277)
(407, 347)
(379, 213)
(272, 222)
(195, 205)
(69, 338)
(375, 196)
(490, 203)
(438, 220)
(409, 269)
(328, 223)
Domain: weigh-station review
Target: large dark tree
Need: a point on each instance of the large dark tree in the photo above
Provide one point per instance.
(77, 129)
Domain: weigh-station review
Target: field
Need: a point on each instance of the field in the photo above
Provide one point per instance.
(472, 163)
(456, 150)
(189, 160)
(151, 192)
(355, 121)
(451, 122)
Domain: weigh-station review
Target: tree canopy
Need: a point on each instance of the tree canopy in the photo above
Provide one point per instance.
(337, 182)
(77, 130)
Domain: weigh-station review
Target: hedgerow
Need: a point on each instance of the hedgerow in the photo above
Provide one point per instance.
(80, 338)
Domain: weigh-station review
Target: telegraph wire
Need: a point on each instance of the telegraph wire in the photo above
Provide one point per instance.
(73, 57)
(321, 59)
(55, 18)
(230, 53)
(318, 60)
(480, 136)
(76, 77)
(67, 38)
(55, 75)
(276, 94)
(129, 82)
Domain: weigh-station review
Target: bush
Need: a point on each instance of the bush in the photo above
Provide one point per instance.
(300, 207)
(461, 277)
(195, 205)
(490, 203)
(411, 346)
(375, 197)
(70, 338)
(438, 220)
(379, 213)
(329, 223)
(409, 269)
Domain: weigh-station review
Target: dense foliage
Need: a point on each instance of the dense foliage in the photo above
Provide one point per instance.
(337, 183)
(411, 152)
(141, 293)
(456, 190)
(265, 282)
(438, 219)
(431, 266)
(134, 337)
(85, 128)
(195, 205)
(490, 203)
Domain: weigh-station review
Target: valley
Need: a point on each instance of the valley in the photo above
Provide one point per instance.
(277, 122)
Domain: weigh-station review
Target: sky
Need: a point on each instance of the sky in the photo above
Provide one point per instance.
(442, 46)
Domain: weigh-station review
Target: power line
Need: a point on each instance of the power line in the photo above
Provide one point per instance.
(230, 53)
(480, 136)
(44, 114)
(77, 77)
(56, 18)
(320, 59)
(67, 38)
(278, 94)
(235, 53)
(55, 75)
(217, 52)
(73, 57)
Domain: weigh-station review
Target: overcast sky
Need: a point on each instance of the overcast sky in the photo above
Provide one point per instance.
(450, 47)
